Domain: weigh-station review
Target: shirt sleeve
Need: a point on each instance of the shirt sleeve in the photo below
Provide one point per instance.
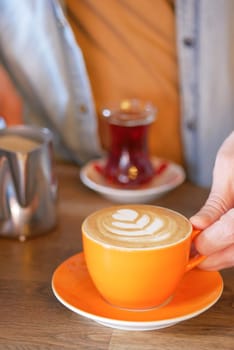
(38, 48)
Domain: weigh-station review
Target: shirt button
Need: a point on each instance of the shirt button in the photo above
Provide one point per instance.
(189, 42)
(83, 108)
(191, 125)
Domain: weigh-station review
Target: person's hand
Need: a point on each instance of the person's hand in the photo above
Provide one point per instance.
(216, 217)
(11, 105)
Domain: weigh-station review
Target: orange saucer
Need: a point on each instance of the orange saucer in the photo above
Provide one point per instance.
(72, 286)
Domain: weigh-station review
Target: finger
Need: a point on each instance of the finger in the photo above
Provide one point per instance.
(215, 206)
(221, 197)
(219, 260)
(217, 236)
(226, 148)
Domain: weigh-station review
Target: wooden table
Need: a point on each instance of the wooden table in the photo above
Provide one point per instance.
(32, 318)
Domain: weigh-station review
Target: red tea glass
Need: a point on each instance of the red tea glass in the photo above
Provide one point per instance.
(128, 162)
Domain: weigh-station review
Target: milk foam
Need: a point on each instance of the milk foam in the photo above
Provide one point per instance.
(14, 143)
(136, 226)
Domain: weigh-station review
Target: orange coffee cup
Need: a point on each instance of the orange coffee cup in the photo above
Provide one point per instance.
(136, 254)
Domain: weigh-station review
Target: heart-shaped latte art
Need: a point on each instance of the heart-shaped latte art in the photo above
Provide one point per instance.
(125, 215)
(131, 222)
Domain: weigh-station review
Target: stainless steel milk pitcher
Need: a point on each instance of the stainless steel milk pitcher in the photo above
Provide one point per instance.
(28, 183)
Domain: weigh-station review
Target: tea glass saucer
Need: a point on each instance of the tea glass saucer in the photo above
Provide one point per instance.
(172, 176)
(72, 286)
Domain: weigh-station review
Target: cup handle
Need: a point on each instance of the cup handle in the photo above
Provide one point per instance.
(197, 259)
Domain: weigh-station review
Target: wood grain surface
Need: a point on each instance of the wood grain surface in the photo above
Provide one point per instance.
(32, 318)
(130, 51)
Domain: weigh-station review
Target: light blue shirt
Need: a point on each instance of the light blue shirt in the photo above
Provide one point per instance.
(205, 32)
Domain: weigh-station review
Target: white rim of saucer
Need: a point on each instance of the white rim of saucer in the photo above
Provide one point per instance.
(154, 189)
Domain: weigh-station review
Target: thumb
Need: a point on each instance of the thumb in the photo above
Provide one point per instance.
(221, 196)
(215, 206)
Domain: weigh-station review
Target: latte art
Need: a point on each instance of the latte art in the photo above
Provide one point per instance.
(136, 226)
